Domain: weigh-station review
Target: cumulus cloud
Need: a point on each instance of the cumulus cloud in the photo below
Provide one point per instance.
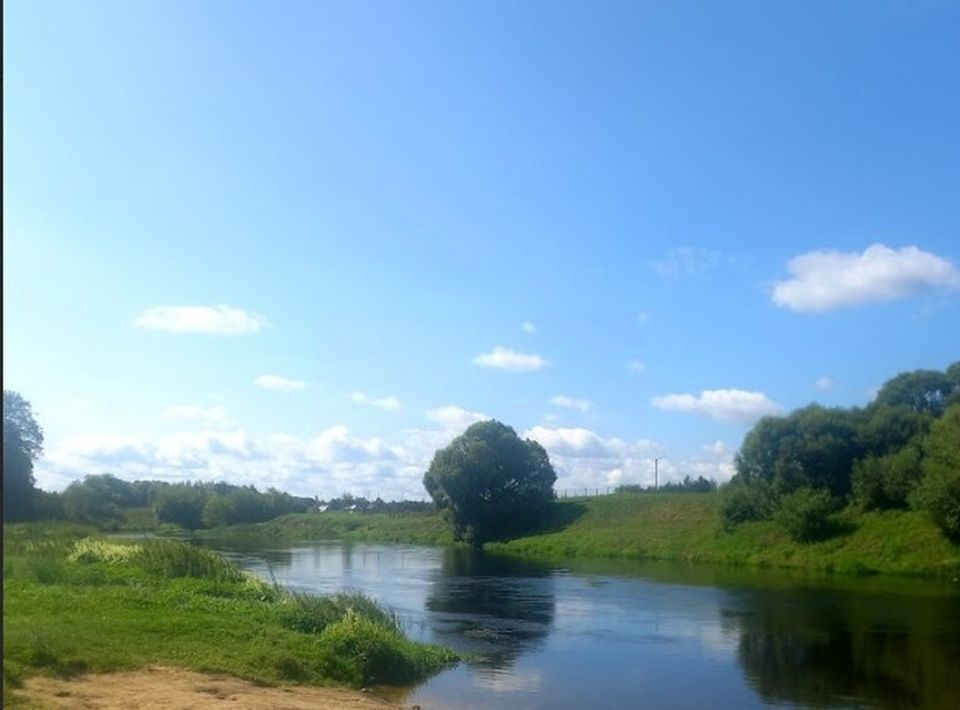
(583, 458)
(387, 404)
(826, 280)
(823, 383)
(213, 320)
(581, 405)
(732, 405)
(327, 464)
(455, 418)
(506, 359)
(529, 327)
(636, 366)
(210, 415)
(278, 383)
(685, 261)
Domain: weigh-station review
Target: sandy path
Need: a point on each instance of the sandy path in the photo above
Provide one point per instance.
(161, 688)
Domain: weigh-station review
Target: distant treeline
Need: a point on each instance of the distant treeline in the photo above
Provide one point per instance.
(687, 485)
(104, 500)
(901, 451)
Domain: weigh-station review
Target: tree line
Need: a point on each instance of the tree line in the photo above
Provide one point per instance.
(902, 451)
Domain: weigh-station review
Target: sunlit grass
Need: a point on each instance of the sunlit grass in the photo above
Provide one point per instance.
(76, 604)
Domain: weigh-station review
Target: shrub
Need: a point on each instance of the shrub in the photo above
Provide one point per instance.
(884, 482)
(368, 652)
(805, 514)
(939, 491)
(743, 502)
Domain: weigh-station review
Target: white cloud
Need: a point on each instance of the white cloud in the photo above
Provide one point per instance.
(278, 383)
(636, 366)
(731, 405)
(581, 405)
(211, 415)
(510, 360)
(214, 320)
(686, 261)
(825, 280)
(643, 317)
(823, 383)
(455, 418)
(584, 459)
(387, 404)
(529, 327)
(327, 464)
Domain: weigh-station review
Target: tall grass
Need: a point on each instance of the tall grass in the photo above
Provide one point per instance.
(75, 603)
(172, 558)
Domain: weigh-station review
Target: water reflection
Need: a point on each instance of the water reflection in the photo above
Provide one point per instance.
(493, 608)
(827, 648)
(607, 633)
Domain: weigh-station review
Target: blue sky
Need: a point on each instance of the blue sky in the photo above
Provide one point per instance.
(703, 214)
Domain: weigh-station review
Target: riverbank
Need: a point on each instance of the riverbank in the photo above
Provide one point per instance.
(671, 527)
(75, 604)
(161, 687)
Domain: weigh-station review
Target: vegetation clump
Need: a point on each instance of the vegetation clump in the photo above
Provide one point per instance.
(74, 602)
(489, 482)
(899, 452)
(804, 514)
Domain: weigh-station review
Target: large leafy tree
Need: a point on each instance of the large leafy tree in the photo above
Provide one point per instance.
(813, 447)
(490, 482)
(922, 390)
(22, 445)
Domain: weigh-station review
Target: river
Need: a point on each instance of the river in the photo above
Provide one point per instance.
(612, 634)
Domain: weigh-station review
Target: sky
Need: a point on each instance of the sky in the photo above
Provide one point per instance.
(305, 244)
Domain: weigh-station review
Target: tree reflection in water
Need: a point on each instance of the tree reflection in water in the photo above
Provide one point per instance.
(493, 608)
(826, 648)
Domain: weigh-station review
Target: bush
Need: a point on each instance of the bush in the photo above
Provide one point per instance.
(939, 491)
(805, 514)
(884, 482)
(743, 502)
(369, 652)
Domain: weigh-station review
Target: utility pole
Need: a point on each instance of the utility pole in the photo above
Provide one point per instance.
(656, 474)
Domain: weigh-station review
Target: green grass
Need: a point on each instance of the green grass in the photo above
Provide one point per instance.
(77, 604)
(686, 527)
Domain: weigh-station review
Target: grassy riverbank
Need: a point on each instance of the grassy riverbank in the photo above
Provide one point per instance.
(75, 603)
(687, 527)
(681, 526)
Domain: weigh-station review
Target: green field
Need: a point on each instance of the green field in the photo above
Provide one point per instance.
(679, 526)
(75, 603)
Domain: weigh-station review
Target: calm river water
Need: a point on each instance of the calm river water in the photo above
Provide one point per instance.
(595, 634)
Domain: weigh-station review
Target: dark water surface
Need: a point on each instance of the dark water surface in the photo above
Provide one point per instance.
(604, 634)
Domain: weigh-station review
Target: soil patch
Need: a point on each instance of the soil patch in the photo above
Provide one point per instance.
(161, 688)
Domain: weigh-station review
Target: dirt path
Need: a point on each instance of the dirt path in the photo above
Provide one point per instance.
(161, 688)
